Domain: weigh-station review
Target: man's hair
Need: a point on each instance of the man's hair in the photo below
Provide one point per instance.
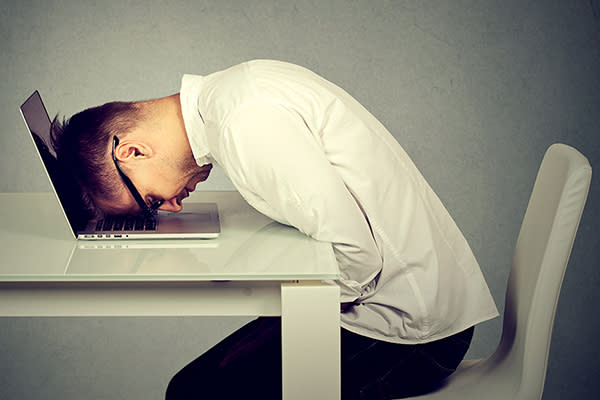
(81, 144)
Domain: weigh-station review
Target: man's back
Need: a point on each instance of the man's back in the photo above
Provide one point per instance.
(304, 152)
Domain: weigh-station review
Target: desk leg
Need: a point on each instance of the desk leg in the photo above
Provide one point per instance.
(310, 333)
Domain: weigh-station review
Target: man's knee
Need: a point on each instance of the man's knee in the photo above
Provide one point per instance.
(178, 388)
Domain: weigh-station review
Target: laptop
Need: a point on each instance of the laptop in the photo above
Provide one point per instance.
(196, 221)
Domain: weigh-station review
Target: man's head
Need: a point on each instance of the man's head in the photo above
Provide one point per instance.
(151, 150)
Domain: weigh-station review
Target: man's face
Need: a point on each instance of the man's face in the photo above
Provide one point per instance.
(170, 183)
(160, 180)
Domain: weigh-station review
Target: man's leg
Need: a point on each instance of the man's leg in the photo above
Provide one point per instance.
(246, 364)
(376, 370)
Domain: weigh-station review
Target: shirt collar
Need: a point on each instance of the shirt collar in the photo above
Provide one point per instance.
(191, 86)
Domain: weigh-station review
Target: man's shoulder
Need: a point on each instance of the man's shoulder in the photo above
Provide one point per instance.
(226, 92)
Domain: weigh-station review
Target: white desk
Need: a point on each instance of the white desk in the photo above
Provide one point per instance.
(256, 267)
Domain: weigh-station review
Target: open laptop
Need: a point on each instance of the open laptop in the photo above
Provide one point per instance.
(196, 221)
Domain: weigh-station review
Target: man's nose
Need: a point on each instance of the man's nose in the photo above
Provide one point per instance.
(172, 205)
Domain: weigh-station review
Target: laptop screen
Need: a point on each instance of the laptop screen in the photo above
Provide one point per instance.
(68, 192)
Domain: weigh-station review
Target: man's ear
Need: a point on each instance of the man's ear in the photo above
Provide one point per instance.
(130, 150)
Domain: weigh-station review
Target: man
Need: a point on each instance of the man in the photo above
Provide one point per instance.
(302, 151)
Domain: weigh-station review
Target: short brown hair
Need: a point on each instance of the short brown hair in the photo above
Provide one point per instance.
(81, 143)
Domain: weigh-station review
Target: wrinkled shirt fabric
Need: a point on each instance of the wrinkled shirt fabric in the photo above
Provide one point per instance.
(302, 151)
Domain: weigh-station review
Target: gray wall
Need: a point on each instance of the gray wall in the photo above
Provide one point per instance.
(474, 90)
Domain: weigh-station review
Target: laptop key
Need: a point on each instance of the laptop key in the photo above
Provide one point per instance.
(119, 223)
(139, 224)
(150, 224)
(108, 223)
(129, 223)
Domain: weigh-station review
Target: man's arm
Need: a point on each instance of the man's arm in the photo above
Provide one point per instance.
(270, 153)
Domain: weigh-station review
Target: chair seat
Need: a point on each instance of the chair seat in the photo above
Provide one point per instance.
(477, 379)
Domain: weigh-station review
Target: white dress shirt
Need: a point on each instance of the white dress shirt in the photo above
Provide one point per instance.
(302, 151)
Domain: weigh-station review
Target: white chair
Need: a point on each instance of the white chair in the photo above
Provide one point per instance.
(517, 369)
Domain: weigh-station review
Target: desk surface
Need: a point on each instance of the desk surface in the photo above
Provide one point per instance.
(251, 247)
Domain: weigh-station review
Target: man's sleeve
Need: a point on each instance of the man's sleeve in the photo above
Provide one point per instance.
(271, 153)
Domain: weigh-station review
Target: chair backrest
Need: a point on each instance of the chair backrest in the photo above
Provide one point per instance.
(541, 254)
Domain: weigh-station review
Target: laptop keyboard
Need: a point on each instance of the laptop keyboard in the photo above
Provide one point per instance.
(126, 223)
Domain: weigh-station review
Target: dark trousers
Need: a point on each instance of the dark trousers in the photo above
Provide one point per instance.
(247, 364)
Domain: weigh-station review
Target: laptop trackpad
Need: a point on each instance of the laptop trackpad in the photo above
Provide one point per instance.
(195, 217)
